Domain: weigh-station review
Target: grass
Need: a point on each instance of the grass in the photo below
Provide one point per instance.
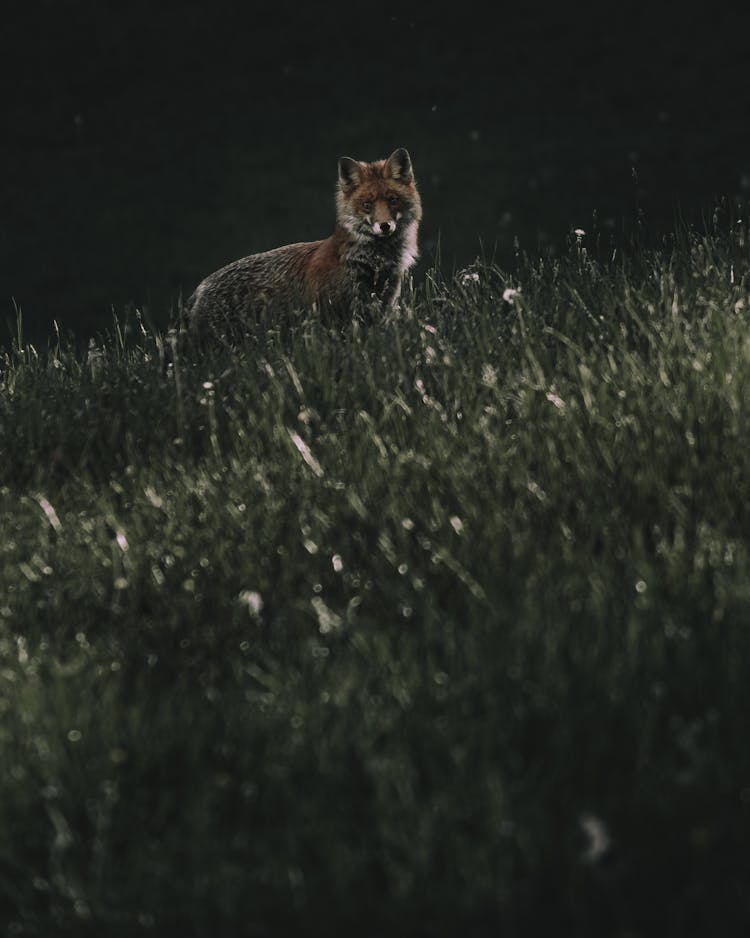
(432, 623)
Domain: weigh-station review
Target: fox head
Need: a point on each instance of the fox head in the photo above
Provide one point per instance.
(380, 199)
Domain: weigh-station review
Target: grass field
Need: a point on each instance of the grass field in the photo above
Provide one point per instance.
(432, 623)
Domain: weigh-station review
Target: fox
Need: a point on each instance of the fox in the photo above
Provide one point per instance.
(374, 244)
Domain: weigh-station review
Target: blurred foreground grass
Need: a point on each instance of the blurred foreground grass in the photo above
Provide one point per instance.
(438, 622)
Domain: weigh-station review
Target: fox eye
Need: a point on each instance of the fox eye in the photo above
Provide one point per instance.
(393, 200)
(367, 204)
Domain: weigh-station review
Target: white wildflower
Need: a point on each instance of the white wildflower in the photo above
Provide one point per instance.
(253, 601)
(489, 375)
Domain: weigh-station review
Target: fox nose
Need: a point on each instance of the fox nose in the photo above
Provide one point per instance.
(385, 227)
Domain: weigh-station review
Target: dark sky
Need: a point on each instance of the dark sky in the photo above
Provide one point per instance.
(145, 145)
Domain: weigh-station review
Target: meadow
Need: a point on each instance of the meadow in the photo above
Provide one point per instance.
(432, 622)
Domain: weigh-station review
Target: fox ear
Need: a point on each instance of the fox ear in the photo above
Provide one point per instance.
(349, 174)
(398, 165)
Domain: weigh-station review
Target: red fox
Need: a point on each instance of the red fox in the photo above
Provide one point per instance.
(378, 211)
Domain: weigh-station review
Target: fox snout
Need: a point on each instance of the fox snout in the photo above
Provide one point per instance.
(383, 229)
(383, 216)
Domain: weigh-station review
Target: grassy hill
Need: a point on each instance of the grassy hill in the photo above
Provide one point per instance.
(439, 621)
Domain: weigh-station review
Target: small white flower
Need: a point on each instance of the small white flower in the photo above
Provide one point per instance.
(509, 294)
(579, 233)
(489, 375)
(253, 601)
(469, 276)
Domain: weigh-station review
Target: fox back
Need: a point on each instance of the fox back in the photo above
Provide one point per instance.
(374, 243)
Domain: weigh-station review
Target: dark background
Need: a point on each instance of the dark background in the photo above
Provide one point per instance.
(144, 145)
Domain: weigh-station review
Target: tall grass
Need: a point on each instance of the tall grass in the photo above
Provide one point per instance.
(398, 627)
